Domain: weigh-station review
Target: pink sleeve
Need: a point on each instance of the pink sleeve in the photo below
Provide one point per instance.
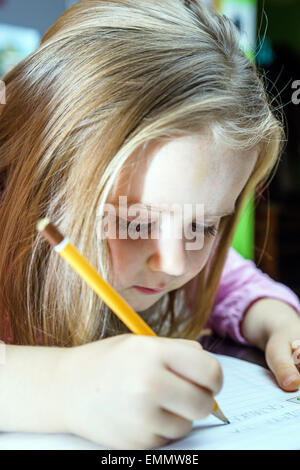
(241, 284)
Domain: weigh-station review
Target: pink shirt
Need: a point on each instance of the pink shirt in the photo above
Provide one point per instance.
(241, 284)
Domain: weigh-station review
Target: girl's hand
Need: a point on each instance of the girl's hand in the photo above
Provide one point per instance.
(274, 326)
(283, 355)
(138, 392)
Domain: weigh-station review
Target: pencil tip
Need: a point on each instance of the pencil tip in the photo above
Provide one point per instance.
(227, 422)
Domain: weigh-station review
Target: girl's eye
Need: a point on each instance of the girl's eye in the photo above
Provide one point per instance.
(209, 231)
(125, 225)
(138, 227)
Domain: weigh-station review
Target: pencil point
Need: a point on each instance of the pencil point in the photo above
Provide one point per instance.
(227, 422)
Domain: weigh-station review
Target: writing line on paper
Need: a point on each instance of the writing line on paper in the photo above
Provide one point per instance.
(261, 414)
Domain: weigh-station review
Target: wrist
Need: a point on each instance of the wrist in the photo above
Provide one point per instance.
(31, 389)
(66, 388)
(265, 317)
(51, 390)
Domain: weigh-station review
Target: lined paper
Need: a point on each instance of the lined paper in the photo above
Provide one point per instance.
(261, 415)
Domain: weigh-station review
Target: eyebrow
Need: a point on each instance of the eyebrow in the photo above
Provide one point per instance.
(163, 209)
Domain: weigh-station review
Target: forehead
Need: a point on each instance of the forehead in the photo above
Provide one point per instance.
(185, 170)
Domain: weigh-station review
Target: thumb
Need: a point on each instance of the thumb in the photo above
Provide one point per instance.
(279, 359)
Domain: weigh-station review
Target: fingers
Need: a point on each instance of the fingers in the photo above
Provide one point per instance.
(279, 359)
(170, 425)
(183, 398)
(199, 367)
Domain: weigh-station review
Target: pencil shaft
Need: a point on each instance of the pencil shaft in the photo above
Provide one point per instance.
(105, 291)
(102, 288)
(117, 304)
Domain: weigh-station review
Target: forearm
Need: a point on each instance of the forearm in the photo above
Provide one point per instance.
(31, 391)
(263, 317)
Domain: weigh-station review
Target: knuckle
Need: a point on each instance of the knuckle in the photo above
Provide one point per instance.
(131, 444)
(170, 425)
(216, 376)
(283, 366)
(159, 441)
(271, 348)
(142, 439)
(140, 345)
(197, 344)
(125, 338)
(180, 429)
(198, 403)
(152, 441)
(135, 340)
(207, 406)
(185, 428)
(219, 376)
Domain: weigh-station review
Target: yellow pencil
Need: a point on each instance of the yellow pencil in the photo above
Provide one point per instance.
(103, 289)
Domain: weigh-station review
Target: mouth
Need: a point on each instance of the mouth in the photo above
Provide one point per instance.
(146, 290)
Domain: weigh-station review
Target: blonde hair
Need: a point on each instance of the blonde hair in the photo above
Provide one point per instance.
(108, 77)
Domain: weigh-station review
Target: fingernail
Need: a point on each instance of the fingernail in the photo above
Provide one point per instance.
(289, 379)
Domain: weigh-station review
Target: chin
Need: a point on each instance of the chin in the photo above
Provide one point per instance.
(142, 306)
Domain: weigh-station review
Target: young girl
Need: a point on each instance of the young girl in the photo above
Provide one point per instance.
(153, 101)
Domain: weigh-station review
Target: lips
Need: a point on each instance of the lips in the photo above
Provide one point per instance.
(147, 290)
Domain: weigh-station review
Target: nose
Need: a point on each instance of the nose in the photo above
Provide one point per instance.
(169, 254)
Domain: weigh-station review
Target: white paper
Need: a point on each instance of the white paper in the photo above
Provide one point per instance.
(261, 415)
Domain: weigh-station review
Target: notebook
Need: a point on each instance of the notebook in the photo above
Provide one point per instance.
(262, 416)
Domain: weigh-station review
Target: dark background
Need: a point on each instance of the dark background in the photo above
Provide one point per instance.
(279, 60)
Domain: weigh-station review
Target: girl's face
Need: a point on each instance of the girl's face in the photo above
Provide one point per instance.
(191, 170)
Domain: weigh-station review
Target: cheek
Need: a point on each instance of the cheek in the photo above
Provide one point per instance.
(197, 259)
(125, 261)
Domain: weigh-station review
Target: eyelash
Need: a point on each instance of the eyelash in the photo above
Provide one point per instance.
(209, 231)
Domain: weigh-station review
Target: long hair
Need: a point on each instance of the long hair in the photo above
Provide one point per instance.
(108, 77)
